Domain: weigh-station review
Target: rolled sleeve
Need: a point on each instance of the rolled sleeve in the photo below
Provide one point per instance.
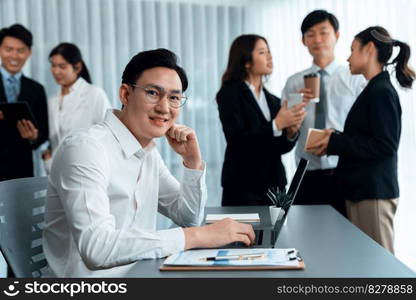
(193, 176)
(195, 180)
(172, 240)
(183, 201)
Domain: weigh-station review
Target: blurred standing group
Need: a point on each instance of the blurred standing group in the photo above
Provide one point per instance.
(77, 104)
(353, 167)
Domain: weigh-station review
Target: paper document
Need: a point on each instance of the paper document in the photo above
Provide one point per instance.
(314, 135)
(248, 218)
(264, 257)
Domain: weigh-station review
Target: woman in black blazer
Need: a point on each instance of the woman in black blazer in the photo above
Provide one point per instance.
(257, 129)
(367, 149)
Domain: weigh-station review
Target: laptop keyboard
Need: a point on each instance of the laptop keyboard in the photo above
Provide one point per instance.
(258, 240)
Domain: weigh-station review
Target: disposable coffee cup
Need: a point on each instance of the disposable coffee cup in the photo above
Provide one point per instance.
(312, 81)
(294, 99)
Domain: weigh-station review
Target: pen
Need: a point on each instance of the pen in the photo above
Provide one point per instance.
(235, 257)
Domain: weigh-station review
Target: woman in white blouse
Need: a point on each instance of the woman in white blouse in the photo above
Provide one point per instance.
(77, 104)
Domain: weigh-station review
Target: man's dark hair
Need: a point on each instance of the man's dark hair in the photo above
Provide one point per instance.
(316, 17)
(19, 32)
(151, 59)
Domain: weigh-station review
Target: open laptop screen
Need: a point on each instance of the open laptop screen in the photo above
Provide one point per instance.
(297, 178)
(266, 238)
(293, 190)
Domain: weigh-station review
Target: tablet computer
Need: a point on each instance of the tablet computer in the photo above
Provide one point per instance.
(13, 112)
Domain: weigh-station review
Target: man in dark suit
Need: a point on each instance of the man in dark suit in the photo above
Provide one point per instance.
(18, 140)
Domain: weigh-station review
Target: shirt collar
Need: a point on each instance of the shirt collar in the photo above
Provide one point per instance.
(6, 74)
(253, 88)
(329, 68)
(128, 142)
(78, 84)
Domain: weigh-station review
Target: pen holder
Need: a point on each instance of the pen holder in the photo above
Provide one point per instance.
(276, 213)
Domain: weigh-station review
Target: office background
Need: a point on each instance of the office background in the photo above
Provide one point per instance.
(110, 32)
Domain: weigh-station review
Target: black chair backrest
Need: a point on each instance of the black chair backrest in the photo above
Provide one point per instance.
(22, 208)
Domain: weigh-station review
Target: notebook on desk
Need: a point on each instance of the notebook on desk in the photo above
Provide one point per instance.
(266, 238)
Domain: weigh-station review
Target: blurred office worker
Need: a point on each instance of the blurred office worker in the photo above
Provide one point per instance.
(258, 129)
(367, 147)
(18, 140)
(338, 91)
(108, 182)
(78, 103)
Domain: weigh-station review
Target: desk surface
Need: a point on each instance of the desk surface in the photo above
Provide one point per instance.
(329, 244)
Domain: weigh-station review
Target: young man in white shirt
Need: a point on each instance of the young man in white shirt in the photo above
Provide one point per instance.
(108, 182)
(338, 91)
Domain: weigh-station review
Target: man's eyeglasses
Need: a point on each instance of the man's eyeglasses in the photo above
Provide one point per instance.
(156, 93)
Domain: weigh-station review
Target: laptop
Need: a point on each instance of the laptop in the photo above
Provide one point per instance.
(266, 238)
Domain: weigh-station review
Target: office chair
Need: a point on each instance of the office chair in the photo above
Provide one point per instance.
(22, 208)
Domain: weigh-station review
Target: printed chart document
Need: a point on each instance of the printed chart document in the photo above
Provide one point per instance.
(234, 259)
(248, 218)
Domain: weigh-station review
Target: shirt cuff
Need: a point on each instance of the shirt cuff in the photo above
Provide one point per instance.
(173, 240)
(194, 177)
(294, 138)
(276, 131)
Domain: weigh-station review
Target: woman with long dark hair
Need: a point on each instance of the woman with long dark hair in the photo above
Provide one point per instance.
(367, 148)
(258, 129)
(78, 103)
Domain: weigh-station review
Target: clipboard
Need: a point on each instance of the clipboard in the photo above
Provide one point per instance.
(178, 263)
(16, 111)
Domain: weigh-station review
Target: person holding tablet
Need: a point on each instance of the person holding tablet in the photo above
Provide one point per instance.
(18, 140)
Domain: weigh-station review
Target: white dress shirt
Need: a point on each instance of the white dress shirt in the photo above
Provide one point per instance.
(104, 193)
(264, 107)
(84, 106)
(342, 89)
